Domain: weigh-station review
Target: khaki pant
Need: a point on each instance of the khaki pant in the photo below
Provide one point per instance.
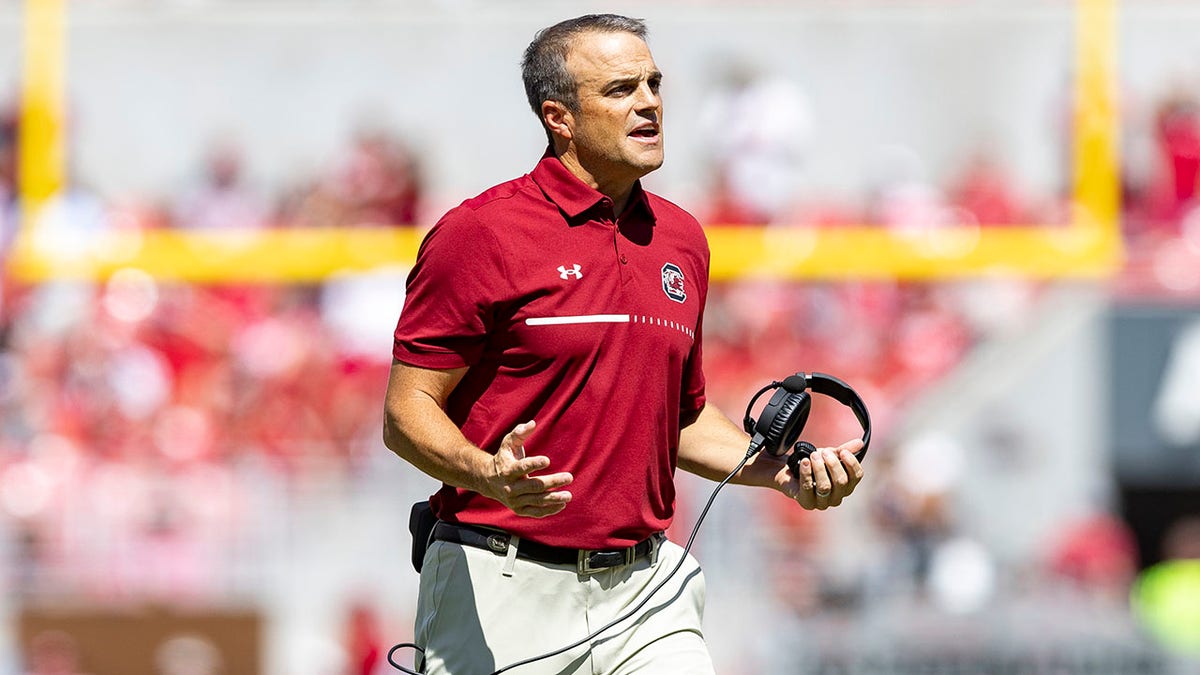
(473, 618)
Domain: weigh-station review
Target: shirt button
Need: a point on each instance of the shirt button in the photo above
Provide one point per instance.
(624, 260)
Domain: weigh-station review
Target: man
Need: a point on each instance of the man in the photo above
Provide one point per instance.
(548, 370)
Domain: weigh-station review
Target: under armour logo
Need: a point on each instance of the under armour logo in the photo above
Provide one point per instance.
(564, 273)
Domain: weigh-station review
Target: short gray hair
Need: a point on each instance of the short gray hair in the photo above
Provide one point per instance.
(544, 66)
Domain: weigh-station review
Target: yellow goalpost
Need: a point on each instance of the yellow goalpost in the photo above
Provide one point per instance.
(1088, 246)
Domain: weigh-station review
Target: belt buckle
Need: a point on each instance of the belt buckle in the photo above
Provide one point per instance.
(656, 541)
(497, 542)
(590, 562)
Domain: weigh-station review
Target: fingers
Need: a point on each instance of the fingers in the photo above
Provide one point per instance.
(829, 475)
(805, 495)
(540, 504)
(534, 485)
(515, 469)
(538, 496)
(525, 495)
(539, 511)
(823, 490)
(854, 469)
(515, 440)
(849, 447)
(837, 476)
(510, 459)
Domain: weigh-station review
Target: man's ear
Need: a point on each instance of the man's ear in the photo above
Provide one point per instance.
(558, 119)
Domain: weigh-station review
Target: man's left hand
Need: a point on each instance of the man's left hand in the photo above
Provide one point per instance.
(826, 477)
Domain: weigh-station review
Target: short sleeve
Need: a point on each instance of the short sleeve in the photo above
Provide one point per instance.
(451, 295)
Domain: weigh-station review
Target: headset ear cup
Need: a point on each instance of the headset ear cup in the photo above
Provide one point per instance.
(786, 421)
(780, 421)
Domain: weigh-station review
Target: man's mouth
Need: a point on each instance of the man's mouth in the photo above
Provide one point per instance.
(648, 133)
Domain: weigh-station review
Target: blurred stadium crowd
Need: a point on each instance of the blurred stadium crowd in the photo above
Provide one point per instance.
(140, 420)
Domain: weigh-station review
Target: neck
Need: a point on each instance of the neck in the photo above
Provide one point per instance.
(616, 187)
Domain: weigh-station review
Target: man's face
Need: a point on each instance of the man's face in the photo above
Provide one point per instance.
(618, 127)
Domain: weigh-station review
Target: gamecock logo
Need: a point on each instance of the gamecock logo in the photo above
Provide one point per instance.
(673, 286)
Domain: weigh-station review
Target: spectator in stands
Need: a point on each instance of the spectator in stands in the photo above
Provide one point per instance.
(8, 214)
(72, 221)
(760, 126)
(985, 192)
(8, 180)
(188, 654)
(1166, 596)
(1178, 131)
(363, 640)
(222, 200)
(379, 181)
(1182, 539)
(313, 202)
(902, 197)
(53, 652)
(1170, 189)
(1098, 555)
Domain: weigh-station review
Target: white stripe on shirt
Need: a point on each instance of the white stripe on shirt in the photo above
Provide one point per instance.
(583, 318)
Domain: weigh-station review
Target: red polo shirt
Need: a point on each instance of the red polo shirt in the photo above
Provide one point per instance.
(583, 320)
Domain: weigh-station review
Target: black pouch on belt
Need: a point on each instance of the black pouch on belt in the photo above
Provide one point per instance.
(420, 523)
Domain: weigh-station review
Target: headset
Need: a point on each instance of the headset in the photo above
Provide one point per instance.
(778, 426)
(786, 412)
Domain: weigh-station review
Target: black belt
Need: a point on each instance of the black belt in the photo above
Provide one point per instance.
(586, 561)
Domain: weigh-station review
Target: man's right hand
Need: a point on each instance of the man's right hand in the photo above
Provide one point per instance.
(509, 482)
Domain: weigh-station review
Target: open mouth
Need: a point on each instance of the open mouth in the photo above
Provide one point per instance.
(646, 133)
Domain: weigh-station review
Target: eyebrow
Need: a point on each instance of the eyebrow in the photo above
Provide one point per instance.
(632, 79)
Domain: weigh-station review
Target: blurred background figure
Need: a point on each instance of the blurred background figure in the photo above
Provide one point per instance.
(221, 199)
(1163, 164)
(757, 127)
(53, 652)
(188, 655)
(1177, 131)
(1097, 556)
(984, 192)
(364, 641)
(73, 220)
(377, 181)
(1182, 541)
(8, 178)
(902, 195)
(1167, 595)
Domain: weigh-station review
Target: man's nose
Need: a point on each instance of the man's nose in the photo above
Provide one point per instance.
(648, 98)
